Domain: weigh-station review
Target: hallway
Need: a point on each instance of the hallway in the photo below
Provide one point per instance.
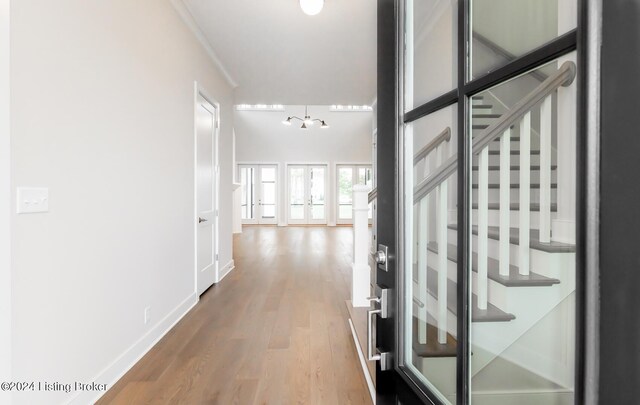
(274, 331)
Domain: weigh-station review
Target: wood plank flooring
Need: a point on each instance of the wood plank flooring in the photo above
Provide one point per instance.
(274, 331)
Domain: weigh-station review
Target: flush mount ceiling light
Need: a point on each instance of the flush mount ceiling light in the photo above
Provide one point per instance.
(307, 121)
(311, 7)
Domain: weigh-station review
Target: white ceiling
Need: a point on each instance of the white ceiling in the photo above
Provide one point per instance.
(279, 55)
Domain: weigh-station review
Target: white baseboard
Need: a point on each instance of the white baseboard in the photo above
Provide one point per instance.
(226, 270)
(112, 373)
(363, 364)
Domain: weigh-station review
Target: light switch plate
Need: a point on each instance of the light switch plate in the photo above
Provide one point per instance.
(32, 200)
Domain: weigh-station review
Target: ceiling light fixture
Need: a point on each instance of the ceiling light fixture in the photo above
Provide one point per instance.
(311, 7)
(307, 121)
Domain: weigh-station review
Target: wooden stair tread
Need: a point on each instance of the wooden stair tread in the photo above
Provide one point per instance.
(535, 207)
(534, 239)
(513, 152)
(482, 106)
(490, 115)
(491, 314)
(433, 348)
(514, 279)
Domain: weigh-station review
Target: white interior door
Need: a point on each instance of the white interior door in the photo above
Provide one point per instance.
(259, 202)
(206, 258)
(307, 197)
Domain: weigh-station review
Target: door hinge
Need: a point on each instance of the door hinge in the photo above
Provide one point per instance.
(217, 213)
(217, 257)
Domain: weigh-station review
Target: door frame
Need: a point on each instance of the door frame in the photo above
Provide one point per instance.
(278, 187)
(199, 91)
(327, 193)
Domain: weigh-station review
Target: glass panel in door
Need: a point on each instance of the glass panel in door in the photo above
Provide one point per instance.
(268, 194)
(317, 193)
(248, 200)
(523, 240)
(430, 269)
(297, 191)
(345, 192)
(503, 30)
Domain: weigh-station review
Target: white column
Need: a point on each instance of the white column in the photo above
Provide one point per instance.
(505, 201)
(545, 170)
(361, 278)
(525, 193)
(483, 228)
(422, 269)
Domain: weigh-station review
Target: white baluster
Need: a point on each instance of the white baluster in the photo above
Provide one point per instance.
(442, 215)
(545, 171)
(483, 226)
(422, 269)
(505, 201)
(525, 199)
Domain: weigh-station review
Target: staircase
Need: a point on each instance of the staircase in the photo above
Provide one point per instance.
(522, 280)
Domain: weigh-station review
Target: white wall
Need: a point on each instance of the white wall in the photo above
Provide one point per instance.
(261, 137)
(5, 202)
(103, 115)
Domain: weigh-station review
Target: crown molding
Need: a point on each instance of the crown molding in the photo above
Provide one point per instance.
(190, 22)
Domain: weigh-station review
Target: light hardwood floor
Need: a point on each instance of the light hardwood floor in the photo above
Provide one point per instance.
(274, 331)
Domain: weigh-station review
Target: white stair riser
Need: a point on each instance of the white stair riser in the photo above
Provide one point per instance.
(514, 195)
(494, 176)
(494, 218)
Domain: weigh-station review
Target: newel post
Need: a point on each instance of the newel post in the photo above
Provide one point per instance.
(361, 280)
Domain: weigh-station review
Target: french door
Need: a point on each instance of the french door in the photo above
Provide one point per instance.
(477, 209)
(259, 193)
(307, 194)
(348, 176)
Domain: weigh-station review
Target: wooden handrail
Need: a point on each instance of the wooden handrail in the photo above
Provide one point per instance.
(373, 194)
(562, 78)
(444, 136)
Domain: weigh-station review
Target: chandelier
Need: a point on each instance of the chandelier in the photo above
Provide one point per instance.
(307, 121)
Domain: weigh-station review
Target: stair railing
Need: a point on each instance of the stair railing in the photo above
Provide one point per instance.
(500, 130)
(437, 144)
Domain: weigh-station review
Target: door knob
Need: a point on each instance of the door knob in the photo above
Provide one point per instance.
(201, 220)
(380, 257)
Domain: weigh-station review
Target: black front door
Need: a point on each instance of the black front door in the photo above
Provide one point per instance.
(478, 209)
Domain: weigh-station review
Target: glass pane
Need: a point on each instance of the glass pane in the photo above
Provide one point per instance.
(506, 29)
(430, 54)
(318, 176)
(268, 174)
(345, 192)
(523, 241)
(247, 179)
(268, 211)
(296, 193)
(430, 325)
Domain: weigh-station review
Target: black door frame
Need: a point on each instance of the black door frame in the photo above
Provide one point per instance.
(585, 39)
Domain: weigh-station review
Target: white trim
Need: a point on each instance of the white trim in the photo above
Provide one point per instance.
(336, 203)
(225, 270)
(190, 22)
(363, 364)
(5, 200)
(123, 363)
(200, 92)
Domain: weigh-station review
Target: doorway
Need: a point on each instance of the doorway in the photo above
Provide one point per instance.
(307, 191)
(206, 175)
(259, 204)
